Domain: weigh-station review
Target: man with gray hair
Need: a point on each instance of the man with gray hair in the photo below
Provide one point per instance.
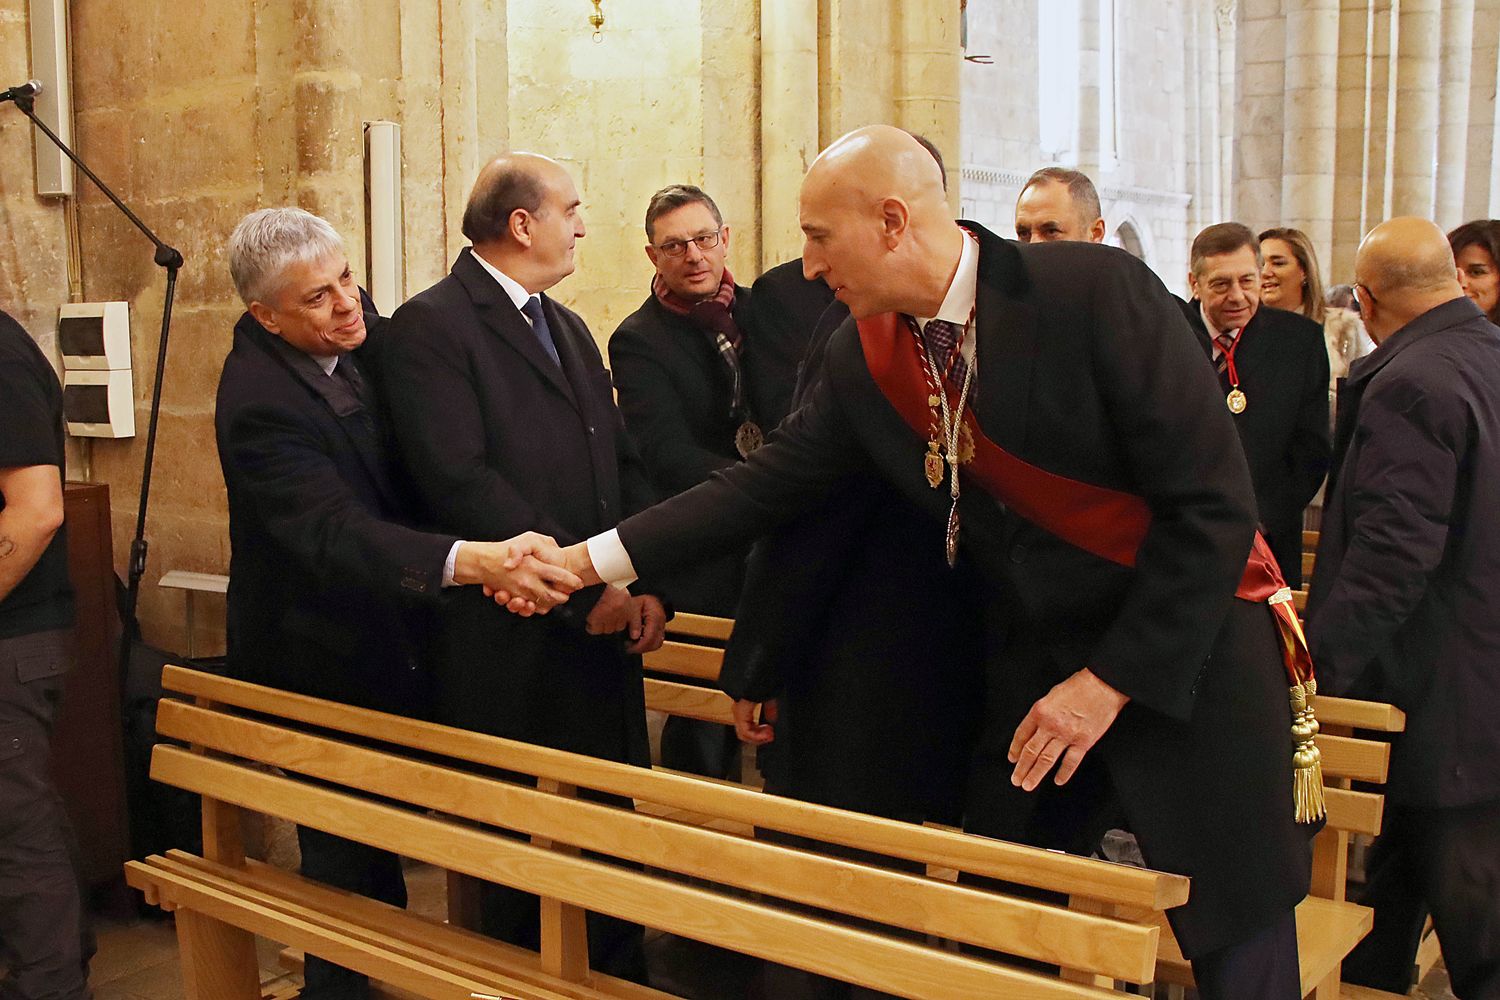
(327, 583)
(1056, 205)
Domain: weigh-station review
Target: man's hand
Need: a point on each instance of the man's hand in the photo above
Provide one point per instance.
(1063, 726)
(750, 731)
(614, 612)
(522, 570)
(648, 626)
(576, 559)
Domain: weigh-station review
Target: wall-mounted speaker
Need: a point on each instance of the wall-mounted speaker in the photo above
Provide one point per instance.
(386, 255)
(54, 105)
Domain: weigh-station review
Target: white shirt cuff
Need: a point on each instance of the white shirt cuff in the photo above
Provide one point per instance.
(610, 559)
(449, 563)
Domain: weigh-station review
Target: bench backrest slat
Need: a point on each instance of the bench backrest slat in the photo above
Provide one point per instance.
(1356, 714)
(686, 659)
(856, 956)
(700, 626)
(997, 859)
(1018, 926)
(1354, 758)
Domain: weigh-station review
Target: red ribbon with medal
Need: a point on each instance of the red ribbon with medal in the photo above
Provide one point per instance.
(1236, 400)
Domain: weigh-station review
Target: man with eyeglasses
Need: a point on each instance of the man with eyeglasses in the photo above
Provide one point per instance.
(679, 369)
(1273, 371)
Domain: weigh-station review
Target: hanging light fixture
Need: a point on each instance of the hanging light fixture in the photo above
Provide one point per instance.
(596, 19)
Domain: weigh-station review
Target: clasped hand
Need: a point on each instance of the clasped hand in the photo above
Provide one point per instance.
(527, 570)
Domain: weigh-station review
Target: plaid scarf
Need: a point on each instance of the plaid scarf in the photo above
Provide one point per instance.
(715, 317)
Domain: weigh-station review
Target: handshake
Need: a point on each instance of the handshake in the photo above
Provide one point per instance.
(531, 574)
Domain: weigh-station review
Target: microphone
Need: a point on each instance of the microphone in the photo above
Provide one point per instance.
(28, 89)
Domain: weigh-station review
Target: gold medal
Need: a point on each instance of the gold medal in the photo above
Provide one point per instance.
(932, 465)
(1235, 400)
(748, 438)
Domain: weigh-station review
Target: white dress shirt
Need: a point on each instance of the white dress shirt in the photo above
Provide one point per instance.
(607, 552)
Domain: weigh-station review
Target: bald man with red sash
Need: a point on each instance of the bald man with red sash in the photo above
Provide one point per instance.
(1101, 495)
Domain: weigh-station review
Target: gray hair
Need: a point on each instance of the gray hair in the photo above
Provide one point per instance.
(268, 241)
(1085, 196)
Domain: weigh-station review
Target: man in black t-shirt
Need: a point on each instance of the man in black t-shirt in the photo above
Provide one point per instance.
(45, 944)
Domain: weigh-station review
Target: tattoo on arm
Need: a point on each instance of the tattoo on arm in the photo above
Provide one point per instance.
(7, 547)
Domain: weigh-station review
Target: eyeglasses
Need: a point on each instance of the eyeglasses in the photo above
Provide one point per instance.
(676, 248)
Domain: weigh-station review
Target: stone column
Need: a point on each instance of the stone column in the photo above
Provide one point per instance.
(1379, 116)
(1453, 110)
(788, 120)
(1309, 115)
(1349, 141)
(1090, 67)
(1483, 123)
(927, 85)
(1417, 68)
(1258, 108)
(1226, 31)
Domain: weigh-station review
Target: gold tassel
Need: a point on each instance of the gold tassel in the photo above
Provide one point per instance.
(1307, 760)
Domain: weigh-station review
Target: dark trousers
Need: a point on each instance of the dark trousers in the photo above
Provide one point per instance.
(699, 747)
(45, 940)
(345, 864)
(1443, 861)
(1262, 967)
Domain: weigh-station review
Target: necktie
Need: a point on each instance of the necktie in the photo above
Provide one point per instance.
(349, 374)
(942, 337)
(1226, 343)
(533, 309)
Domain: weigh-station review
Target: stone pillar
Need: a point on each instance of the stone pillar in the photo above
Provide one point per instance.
(1090, 66)
(1380, 115)
(1226, 32)
(927, 82)
(1453, 110)
(1349, 141)
(788, 120)
(1417, 69)
(1309, 114)
(1258, 114)
(1483, 122)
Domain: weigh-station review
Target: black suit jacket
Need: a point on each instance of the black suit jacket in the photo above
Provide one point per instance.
(1283, 367)
(499, 440)
(784, 308)
(675, 392)
(1405, 604)
(323, 574)
(1086, 369)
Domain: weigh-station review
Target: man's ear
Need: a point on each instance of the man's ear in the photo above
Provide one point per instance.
(652, 254)
(724, 237)
(1193, 284)
(519, 225)
(1096, 231)
(894, 217)
(265, 316)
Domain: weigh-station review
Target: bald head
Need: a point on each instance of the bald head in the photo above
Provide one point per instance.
(523, 217)
(1403, 269)
(877, 225)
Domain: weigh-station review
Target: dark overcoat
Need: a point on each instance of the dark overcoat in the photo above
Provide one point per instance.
(1405, 604)
(1086, 369)
(499, 439)
(325, 582)
(675, 391)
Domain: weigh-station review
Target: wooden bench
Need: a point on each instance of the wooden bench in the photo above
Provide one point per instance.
(432, 793)
(1329, 926)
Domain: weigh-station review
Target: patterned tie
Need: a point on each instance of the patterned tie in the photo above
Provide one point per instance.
(941, 338)
(533, 309)
(1225, 342)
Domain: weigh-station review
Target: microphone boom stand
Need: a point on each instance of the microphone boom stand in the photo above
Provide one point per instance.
(170, 259)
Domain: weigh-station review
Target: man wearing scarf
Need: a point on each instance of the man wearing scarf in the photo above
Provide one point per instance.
(678, 366)
(1134, 659)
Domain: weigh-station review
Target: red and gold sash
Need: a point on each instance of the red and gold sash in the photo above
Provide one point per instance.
(1104, 522)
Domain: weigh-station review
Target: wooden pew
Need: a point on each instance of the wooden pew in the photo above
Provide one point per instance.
(432, 793)
(1328, 925)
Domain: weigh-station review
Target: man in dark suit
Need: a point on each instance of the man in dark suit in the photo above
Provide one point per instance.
(506, 417)
(1148, 686)
(1406, 597)
(326, 581)
(1273, 371)
(679, 365)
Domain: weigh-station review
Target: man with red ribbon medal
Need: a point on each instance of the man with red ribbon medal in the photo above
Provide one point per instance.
(1104, 503)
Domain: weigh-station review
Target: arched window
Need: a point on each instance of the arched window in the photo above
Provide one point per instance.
(1128, 238)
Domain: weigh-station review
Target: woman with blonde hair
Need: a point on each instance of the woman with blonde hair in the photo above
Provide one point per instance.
(1289, 280)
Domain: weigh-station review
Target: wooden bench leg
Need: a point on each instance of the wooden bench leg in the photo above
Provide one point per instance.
(1328, 989)
(218, 960)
